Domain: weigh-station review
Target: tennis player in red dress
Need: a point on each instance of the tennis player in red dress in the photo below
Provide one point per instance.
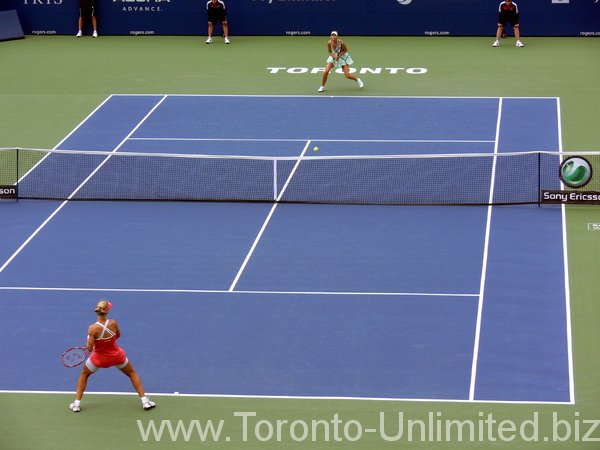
(102, 342)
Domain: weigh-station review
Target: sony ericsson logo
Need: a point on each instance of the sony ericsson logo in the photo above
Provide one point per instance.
(8, 192)
(575, 172)
(404, 2)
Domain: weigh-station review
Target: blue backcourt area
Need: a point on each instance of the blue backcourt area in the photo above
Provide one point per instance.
(268, 299)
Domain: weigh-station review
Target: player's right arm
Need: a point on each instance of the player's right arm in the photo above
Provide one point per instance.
(330, 50)
(117, 330)
(93, 333)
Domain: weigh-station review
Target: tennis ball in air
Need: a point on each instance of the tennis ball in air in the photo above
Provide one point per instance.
(316, 149)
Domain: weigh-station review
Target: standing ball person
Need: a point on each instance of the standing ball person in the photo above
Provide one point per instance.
(87, 10)
(508, 12)
(217, 13)
(338, 58)
(102, 342)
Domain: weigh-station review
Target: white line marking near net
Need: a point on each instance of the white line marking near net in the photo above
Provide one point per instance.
(251, 292)
(267, 220)
(63, 204)
(393, 141)
(566, 270)
(488, 225)
(66, 137)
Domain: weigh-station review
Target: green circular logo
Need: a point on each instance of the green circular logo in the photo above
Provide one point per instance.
(575, 171)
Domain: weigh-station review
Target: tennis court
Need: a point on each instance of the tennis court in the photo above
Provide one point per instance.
(297, 300)
(326, 313)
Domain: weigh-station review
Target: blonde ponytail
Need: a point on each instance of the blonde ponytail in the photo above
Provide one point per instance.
(102, 307)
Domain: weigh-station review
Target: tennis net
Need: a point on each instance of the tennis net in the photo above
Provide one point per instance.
(428, 179)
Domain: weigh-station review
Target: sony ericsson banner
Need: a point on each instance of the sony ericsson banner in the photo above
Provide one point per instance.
(311, 17)
(575, 172)
(8, 192)
(571, 197)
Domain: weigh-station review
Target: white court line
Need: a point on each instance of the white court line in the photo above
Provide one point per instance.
(220, 291)
(63, 204)
(566, 270)
(66, 137)
(267, 220)
(329, 96)
(300, 397)
(445, 141)
(485, 260)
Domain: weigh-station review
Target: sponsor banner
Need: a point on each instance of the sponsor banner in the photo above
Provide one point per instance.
(309, 17)
(575, 172)
(570, 197)
(8, 192)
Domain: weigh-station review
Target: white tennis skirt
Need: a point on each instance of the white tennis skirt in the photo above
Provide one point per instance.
(346, 59)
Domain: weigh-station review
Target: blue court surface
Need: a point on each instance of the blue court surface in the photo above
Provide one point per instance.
(386, 302)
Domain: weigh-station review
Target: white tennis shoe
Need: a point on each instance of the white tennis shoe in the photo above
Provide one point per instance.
(95, 34)
(75, 407)
(321, 89)
(519, 44)
(227, 40)
(79, 34)
(360, 83)
(208, 41)
(496, 43)
(147, 403)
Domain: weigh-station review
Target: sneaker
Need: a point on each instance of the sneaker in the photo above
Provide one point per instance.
(520, 44)
(209, 41)
(360, 83)
(227, 40)
(75, 407)
(79, 34)
(147, 403)
(321, 89)
(95, 34)
(496, 43)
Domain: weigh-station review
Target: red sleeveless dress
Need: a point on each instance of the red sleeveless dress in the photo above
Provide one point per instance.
(106, 351)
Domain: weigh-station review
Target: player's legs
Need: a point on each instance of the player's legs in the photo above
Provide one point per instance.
(347, 73)
(82, 381)
(128, 370)
(81, 385)
(133, 376)
(499, 31)
(517, 32)
(210, 29)
(225, 28)
(94, 23)
(326, 73)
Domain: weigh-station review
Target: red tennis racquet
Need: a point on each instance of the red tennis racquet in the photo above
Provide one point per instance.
(74, 356)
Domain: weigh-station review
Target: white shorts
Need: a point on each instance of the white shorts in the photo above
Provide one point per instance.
(93, 368)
